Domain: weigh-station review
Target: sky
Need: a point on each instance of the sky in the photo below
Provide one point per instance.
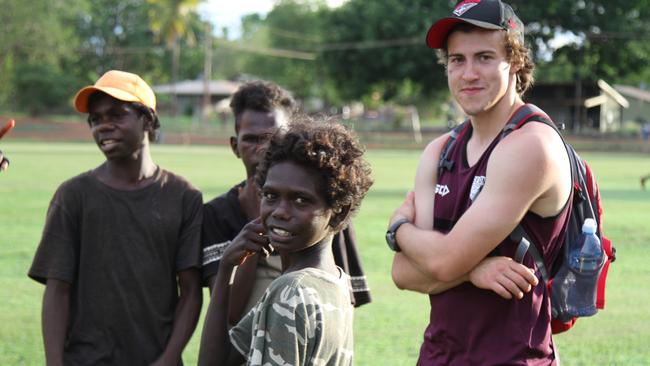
(227, 13)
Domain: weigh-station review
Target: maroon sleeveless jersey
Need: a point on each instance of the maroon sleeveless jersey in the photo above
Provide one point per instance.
(472, 326)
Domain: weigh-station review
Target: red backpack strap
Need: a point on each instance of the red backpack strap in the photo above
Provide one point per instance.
(557, 326)
(594, 195)
(611, 256)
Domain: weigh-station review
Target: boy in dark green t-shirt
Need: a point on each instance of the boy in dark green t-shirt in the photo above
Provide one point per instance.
(119, 243)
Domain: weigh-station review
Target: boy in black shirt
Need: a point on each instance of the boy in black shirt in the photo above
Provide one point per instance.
(119, 243)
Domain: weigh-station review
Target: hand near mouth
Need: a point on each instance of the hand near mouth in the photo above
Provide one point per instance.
(249, 241)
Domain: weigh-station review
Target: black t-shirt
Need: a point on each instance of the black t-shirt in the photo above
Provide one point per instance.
(223, 219)
(120, 251)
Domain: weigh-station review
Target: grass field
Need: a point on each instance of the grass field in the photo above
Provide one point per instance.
(389, 330)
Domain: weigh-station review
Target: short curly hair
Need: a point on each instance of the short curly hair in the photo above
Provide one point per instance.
(516, 53)
(261, 96)
(330, 149)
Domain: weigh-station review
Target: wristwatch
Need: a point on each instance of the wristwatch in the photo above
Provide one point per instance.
(391, 234)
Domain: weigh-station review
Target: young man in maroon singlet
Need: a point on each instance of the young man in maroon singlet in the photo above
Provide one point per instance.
(454, 245)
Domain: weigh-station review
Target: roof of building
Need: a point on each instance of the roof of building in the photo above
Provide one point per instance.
(196, 87)
(633, 92)
(613, 93)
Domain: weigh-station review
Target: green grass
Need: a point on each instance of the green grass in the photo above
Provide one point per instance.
(389, 330)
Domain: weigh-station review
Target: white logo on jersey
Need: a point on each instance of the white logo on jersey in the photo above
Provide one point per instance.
(477, 185)
(465, 6)
(442, 190)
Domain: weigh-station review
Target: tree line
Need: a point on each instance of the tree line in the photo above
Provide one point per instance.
(362, 50)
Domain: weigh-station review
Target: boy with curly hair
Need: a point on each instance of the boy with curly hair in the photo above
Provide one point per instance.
(312, 179)
(260, 107)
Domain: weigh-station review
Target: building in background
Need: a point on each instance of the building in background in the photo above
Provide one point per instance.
(587, 107)
(190, 94)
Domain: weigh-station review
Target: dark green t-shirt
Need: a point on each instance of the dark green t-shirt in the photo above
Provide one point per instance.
(120, 251)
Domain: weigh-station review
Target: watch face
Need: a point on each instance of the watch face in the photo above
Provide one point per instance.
(390, 240)
(391, 234)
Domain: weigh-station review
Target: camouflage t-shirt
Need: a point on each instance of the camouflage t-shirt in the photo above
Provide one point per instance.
(304, 318)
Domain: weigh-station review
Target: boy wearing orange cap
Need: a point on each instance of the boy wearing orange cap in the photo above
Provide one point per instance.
(120, 251)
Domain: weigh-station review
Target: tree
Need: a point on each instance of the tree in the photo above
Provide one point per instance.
(614, 36)
(281, 45)
(171, 20)
(381, 45)
(373, 46)
(41, 87)
(37, 34)
(116, 35)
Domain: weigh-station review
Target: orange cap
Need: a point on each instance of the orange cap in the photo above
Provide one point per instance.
(120, 85)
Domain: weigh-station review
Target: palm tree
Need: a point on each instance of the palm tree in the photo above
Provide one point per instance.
(170, 21)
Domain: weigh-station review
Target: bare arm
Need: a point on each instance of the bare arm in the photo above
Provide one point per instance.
(56, 307)
(186, 316)
(212, 281)
(405, 272)
(216, 348)
(510, 191)
(407, 276)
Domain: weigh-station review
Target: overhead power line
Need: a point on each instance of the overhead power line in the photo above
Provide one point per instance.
(276, 52)
(306, 55)
(291, 34)
(361, 45)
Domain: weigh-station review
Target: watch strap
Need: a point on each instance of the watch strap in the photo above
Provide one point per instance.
(391, 234)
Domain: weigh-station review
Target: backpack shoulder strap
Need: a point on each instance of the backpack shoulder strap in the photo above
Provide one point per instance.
(444, 163)
(526, 113)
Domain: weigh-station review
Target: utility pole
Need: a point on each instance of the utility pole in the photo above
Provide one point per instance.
(207, 75)
(579, 103)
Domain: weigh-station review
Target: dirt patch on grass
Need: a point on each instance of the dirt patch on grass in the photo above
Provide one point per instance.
(43, 129)
(76, 129)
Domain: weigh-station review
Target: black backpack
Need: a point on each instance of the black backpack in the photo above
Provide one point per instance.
(585, 203)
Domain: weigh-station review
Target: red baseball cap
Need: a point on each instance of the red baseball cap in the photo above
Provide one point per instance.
(487, 14)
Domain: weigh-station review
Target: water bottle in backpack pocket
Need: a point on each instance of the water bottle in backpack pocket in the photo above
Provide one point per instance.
(575, 285)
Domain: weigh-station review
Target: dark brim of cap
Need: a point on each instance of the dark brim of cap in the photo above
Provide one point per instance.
(438, 32)
(81, 99)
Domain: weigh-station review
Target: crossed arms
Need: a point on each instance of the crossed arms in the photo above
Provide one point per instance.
(432, 262)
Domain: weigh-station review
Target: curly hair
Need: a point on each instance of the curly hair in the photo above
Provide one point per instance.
(261, 96)
(519, 56)
(329, 149)
(142, 109)
(516, 53)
